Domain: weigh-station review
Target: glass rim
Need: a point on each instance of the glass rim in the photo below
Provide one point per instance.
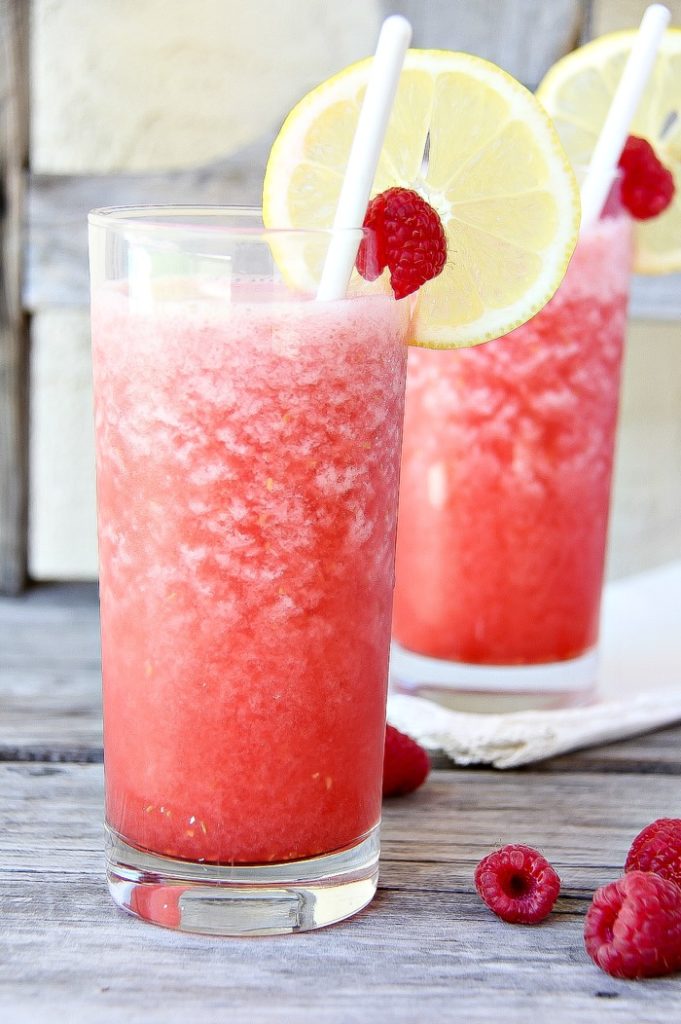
(146, 217)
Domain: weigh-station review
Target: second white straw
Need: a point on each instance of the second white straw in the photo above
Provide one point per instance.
(610, 144)
(393, 43)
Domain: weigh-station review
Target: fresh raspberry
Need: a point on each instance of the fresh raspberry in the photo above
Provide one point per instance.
(633, 926)
(658, 848)
(518, 884)
(405, 763)
(647, 186)
(409, 239)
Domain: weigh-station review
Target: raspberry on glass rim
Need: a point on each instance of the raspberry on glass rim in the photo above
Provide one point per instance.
(647, 186)
(410, 238)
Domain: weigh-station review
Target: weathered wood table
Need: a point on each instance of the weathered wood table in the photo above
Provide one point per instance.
(426, 950)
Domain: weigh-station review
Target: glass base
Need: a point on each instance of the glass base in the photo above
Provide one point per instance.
(494, 688)
(271, 899)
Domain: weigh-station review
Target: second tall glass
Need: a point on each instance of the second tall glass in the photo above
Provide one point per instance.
(505, 490)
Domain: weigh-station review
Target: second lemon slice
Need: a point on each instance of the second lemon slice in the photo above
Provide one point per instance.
(577, 93)
(480, 149)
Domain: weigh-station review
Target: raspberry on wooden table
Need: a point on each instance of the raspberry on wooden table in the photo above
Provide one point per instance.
(633, 926)
(657, 848)
(518, 884)
(409, 239)
(405, 764)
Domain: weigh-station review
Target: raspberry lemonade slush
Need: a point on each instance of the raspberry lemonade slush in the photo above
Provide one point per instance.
(508, 452)
(246, 588)
(248, 445)
(508, 448)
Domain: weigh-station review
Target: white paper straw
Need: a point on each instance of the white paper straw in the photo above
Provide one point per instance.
(365, 152)
(614, 133)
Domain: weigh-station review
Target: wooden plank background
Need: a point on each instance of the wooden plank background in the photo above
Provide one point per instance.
(424, 950)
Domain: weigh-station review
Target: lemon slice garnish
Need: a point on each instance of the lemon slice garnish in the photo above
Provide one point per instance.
(577, 92)
(481, 150)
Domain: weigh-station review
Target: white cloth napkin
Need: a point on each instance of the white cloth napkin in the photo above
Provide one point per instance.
(639, 687)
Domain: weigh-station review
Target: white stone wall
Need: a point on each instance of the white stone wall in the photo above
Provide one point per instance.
(140, 84)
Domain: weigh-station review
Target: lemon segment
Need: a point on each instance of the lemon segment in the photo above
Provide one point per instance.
(481, 150)
(577, 93)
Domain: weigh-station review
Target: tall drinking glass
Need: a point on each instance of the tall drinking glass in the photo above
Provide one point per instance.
(508, 454)
(248, 443)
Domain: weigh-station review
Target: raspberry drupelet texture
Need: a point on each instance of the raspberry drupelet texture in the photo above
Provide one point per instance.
(518, 884)
(658, 848)
(647, 186)
(409, 240)
(405, 765)
(633, 927)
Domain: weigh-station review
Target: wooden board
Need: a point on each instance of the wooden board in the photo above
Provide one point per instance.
(13, 328)
(50, 679)
(425, 950)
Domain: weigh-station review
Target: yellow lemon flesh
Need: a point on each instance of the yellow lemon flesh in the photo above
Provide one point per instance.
(481, 150)
(577, 93)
